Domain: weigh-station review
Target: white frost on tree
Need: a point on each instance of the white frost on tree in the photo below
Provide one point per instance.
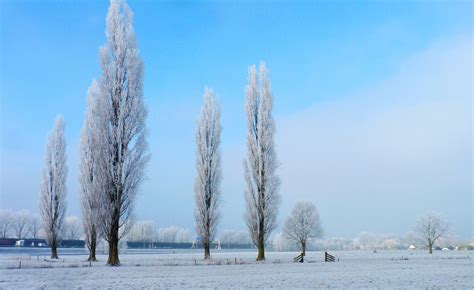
(123, 146)
(6, 222)
(431, 227)
(168, 234)
(183, 236)
(34, 226)
(208, 165)
(367, 241)
(72, 228)
(20, 223)
(142, 231)
(232, 237)
(174, 234)
(280, 243)
(303, 224)
(52, 200)
(260, 167)
(89, 173)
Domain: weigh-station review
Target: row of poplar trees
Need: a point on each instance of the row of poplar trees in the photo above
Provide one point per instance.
(114, 152)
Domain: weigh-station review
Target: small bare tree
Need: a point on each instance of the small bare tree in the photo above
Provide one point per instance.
(431, 227)
(6, 222)
(303, 224)
(208, 165)
(72, 228)
(122, 143)
(261, 193)
(226, 238)
(34, 226)
(20, 223)
(52, 201)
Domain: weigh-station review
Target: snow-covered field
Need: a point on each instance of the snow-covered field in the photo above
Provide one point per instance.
(448, 269)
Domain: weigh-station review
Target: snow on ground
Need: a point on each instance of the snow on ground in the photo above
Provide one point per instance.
(447, 269)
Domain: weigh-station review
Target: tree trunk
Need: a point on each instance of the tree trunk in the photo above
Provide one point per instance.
(261, 247)
(54, 250)
(261, 251)
(430, 247)
(113, 259)
(92, 247)
(113, 240)
(207, 252)
(303, 248)
(92, 257)
(261, 240)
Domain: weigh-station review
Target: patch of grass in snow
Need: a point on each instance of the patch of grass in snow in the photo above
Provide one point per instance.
(457, 258)
(45, 266)
(398, 259)
(17, 258)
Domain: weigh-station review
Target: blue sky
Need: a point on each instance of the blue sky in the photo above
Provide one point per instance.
(366, 95)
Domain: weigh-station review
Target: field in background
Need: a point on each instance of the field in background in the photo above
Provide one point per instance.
(238, 269)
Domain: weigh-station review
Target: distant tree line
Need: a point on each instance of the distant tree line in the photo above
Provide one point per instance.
(25, 225)
(145, 231)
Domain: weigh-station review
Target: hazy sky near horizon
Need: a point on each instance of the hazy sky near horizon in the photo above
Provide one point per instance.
(373, 103)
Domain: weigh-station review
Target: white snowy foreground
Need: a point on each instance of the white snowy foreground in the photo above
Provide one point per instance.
(447, 269)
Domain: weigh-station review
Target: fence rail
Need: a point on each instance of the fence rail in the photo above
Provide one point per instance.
(328, 257)
(298, 258)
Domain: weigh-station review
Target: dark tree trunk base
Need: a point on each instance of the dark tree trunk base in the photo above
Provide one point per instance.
(261, 251)
(54, 251)
(113, 259)
(113, 239)
(92, 248)
(207, 252)
(261, 238)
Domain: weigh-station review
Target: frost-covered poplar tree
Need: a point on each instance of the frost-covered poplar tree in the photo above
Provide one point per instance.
(261, 192)
(89, 173)
(303, 224)
(52, 200)
(208, 165)
(123, 146)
